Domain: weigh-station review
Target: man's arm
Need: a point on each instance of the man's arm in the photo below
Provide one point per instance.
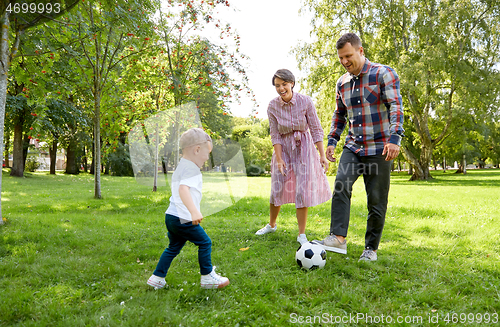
(391, 97)
(338, 124)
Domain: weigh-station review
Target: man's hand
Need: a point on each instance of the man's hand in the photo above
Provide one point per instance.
(330, 151)
(392, 151)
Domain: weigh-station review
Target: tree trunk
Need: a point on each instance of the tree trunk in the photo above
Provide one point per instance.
(85, 161)
(53, 157)
(71, 167)
(444, 164)
(17, 154)
(97, 143)
(92, 164)
(7, 146)
(26, 145)
(419, 168)
(4, 70)
(464, 164)
(163, 165)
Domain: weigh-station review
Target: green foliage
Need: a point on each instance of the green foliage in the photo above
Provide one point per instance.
(256, 145)
(31, 164)
(67, 259)
(19, 112)
(443, 51)
(254, 170)
(240, 132)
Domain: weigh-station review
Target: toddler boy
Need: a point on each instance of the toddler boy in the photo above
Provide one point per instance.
(183, 215)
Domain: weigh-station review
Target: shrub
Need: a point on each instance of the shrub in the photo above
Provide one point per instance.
(31, 164)
(119, 161)
(254, 170)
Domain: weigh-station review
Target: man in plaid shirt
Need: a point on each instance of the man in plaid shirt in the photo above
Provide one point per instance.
(369, 96)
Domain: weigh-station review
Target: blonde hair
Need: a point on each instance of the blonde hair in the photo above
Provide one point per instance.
(193, 136)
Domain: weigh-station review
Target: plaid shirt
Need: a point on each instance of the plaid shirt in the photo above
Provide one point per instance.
(373, 104)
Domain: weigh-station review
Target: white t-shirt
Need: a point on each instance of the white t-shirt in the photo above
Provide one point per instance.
(187, 173)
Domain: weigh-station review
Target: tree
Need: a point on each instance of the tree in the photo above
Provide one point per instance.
(20, 23)
(21, 117)
(185, 68)
(61, 121)
(103, 31)
(443, 51)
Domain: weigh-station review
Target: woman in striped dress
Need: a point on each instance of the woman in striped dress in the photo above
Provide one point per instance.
(297, 170)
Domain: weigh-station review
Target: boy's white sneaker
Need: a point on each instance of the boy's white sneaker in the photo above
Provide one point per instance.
(213, 280)
(302, 238)
(156, 282)
(266, 229)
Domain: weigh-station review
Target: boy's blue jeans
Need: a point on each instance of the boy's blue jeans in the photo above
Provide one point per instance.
(178, 234)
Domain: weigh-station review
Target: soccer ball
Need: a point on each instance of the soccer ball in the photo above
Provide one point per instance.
(310, 256)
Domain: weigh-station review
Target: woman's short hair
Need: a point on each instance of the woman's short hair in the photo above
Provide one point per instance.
(285, 75)
(351, 38)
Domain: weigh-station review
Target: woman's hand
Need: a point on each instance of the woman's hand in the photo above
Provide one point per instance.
(281, 166)
(324, 163)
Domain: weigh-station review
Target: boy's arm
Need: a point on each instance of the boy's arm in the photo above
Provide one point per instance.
(186, 198)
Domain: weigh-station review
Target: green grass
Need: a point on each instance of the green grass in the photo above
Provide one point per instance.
(67, 259)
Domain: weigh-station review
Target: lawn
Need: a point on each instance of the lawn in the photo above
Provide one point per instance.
(67, 259)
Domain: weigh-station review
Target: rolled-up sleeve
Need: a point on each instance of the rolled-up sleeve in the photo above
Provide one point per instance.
(338, 119)
(273, 127)
(314, 122)
(391, 96)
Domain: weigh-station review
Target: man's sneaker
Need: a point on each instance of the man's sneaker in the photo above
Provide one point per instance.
(266, 229)
(332, 243)
(156, 282)
(368, 255)
(302, 238)
(213, 280)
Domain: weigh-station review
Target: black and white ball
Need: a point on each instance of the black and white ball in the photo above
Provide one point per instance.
(310, 256)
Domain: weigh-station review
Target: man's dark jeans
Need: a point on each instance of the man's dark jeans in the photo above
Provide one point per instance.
(376, 173)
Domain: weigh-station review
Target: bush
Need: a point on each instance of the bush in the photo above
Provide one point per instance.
(119, 161)
(31, 164)
(254, 170)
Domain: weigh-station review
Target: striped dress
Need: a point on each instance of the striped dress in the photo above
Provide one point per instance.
(296, 126)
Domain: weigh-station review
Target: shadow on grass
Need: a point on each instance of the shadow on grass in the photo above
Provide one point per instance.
(482, 178)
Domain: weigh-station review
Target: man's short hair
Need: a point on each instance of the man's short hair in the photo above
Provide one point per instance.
(351, 38)
(193, 136)
(285, 75)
